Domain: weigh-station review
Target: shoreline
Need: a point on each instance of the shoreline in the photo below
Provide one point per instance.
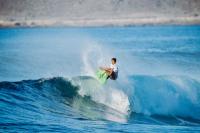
(101, 22)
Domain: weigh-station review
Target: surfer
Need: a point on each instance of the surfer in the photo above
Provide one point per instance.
(112, 71)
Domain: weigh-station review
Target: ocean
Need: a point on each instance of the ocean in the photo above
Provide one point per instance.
(47, 79)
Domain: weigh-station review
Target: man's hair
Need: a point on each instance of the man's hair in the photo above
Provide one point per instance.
(114, 59)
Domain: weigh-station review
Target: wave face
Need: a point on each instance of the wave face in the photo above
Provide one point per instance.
(47, 79)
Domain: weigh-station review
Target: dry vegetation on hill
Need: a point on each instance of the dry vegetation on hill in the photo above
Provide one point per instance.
(98, 12)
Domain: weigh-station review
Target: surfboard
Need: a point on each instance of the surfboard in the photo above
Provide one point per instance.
(102, 76)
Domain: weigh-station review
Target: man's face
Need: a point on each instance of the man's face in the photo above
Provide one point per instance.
(113, 62)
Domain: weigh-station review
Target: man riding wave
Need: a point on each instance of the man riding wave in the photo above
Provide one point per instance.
(111, 71)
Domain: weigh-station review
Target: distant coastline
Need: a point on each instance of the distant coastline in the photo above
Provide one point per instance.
(103, 22)
(26, 13)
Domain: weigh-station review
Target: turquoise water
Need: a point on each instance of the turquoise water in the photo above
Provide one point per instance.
(47, 79)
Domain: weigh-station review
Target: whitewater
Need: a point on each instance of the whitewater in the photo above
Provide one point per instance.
(48, 84)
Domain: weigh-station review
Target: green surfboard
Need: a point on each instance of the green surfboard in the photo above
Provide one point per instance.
(102, 76)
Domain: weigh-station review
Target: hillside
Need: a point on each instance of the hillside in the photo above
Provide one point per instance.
(98, 12)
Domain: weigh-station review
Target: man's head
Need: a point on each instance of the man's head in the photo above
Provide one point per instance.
(113, 60)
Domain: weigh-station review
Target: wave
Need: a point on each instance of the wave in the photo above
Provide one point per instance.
(166, 95)
(84, 94)
(153, 96)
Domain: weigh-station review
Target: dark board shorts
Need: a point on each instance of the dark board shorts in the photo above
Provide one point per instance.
(113, 76)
